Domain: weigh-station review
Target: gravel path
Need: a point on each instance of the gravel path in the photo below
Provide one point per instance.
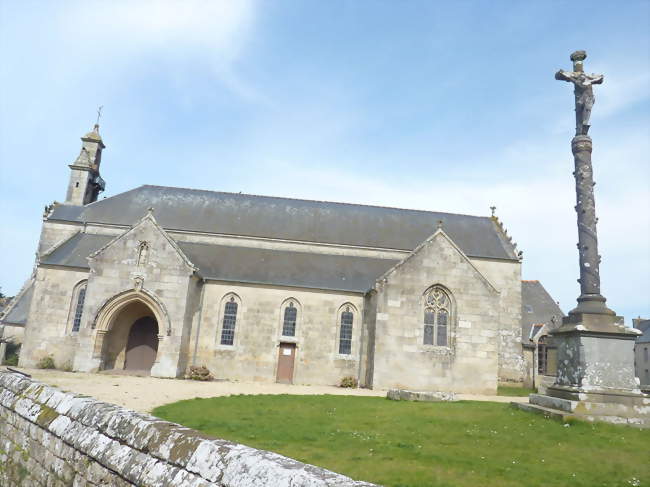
(145, 393)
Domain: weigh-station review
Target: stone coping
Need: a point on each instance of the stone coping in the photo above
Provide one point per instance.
(404, 395)
(148, 451)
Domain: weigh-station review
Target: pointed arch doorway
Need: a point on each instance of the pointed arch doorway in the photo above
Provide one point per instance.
(131, 342)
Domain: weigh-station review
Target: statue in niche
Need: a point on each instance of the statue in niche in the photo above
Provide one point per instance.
(143, 254)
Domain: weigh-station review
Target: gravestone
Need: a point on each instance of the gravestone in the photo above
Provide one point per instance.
(595, 370)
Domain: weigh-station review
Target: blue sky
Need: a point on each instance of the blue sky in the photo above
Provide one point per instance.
(446, 106)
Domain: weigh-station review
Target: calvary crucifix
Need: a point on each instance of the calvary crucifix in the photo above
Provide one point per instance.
(584, 92)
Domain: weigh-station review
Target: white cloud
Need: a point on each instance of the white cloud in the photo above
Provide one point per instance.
(535, 203)
(129, 27)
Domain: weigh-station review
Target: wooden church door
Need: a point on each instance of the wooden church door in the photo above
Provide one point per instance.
(142, 345)
(285, 362)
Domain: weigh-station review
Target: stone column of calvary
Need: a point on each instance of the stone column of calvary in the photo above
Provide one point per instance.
(595, 349)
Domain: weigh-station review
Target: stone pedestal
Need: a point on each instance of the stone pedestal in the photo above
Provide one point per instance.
(595, 378)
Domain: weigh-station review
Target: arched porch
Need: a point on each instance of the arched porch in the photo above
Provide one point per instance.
(128, 332)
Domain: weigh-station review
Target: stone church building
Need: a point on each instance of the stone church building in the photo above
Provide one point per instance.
(270, 289)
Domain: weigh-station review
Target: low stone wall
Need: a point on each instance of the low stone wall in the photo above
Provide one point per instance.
(49, 437)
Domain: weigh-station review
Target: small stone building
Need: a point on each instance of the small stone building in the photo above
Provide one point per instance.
(642, 352)
(540, 314)
(262, 288)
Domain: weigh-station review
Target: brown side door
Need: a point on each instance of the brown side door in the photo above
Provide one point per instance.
(142, 345)
(286, 357)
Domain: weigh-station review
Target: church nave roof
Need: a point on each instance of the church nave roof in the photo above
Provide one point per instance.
(292, 219)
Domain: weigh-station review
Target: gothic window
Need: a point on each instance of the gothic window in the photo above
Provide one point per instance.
(345, 331)
(289, 321)
(229, 321)
(437, 309)
(80, 296)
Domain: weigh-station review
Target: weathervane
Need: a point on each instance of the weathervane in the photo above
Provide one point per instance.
(99, 114)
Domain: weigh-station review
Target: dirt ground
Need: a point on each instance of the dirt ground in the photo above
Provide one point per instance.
(145, 393)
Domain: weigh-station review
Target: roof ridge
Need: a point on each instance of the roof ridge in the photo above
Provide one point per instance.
(302, 199)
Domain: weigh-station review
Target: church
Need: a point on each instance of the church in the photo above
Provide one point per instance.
(157, 279)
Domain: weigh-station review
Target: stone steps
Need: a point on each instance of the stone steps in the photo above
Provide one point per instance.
(565, 416)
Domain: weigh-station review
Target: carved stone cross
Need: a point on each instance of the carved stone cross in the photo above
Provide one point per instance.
(583, 91)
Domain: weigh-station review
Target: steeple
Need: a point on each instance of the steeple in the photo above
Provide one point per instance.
(85, 181)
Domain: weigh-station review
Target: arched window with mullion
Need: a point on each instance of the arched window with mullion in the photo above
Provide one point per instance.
(229, 322)
(345, 331)
(78, 300)
(289, 321)
(437, 308)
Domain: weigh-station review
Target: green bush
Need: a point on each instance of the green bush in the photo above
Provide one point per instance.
(11, 360)
(349, 381)
(12, 353)
(46, 363)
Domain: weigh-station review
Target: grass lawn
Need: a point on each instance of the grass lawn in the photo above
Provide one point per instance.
(514, 391)
(402, 444)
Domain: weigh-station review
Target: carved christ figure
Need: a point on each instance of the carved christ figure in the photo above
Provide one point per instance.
(584, 92)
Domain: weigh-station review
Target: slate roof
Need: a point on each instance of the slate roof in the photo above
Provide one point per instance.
(537, 307)
(18, 313)
(249, 264)
(286, 268)
(291, 219)
(74, 251)
(644, 326)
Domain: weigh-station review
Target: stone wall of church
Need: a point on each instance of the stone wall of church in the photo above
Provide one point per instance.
(469, 363)
(56, 439)
(368, 342)
(258, 333)
(13, 333)
(642, 363)
(49, 323)
(54, 234)
(506, 277)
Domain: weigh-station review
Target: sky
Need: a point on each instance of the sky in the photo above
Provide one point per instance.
(442, 106)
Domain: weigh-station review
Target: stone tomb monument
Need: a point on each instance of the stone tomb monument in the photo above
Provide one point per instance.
(595, 372)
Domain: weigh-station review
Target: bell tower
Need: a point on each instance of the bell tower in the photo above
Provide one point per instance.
(85, 182)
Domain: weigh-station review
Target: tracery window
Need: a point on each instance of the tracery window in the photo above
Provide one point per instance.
(289, 321)
(229, 322)
(437, 312)
(79, 307)
(345, 331)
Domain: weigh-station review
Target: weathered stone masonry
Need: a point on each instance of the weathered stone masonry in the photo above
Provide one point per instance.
(52, 438)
